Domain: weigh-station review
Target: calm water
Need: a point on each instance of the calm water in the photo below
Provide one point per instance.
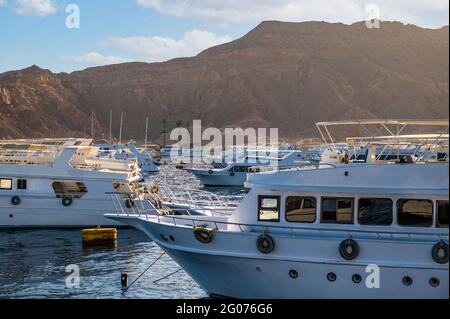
(33, 262)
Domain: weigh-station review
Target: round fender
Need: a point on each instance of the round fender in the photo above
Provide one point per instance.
(232, 173)
(349, 249)
(67, 201)
(203, 235)
(265, 244)
(15, 200)
(439, 252)
(210, 171)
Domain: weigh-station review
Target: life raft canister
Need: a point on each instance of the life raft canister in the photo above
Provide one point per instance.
(439, 252)
(349, 249)
(15, 200)
(265, 244)
(67, 201)
(203, 234)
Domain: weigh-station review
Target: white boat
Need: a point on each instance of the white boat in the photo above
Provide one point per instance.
(145, 160)
(62, 186)
(235, 173)
(351, 230)
(314, 233)
(171, 150)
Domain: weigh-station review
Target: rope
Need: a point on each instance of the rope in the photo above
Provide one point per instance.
(167, 275)
(154, 262)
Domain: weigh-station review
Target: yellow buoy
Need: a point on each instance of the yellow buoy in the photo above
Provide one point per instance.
(99, 236)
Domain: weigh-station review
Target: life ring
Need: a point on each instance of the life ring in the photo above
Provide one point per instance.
(129, 203)
(232, 173)
(440, 258)
(210, 171)
(265, 244)
(67, 201)
(349, 249)
(203, 235)
(15, 200)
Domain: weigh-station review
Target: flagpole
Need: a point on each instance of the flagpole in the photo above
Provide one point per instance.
(110, 126)
(120, 132)
(146, 131)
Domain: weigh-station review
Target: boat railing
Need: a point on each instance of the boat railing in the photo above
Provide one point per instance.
(298, 166)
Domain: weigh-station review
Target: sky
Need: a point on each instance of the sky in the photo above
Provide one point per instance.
(69, 35)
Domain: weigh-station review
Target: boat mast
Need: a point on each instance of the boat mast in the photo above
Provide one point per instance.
(92, 125)
(120, 131)
(146, 131)
(110, 126)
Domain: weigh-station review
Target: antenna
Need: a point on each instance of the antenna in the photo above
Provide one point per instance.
(120, 131)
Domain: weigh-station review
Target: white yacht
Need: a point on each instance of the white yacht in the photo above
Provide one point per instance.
(61, 186)
(351, 230)
(235, 173)
(145, 160)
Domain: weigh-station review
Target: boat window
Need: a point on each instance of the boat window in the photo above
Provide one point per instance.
(337, 210)
(375, 211)
(6, 183)
(415, 212)
(442, 213)
(72, 189)
(21, 184)
(269, 208)
(301, 209)
(241, 169)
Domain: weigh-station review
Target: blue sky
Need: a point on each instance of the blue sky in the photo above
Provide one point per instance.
(35, 32)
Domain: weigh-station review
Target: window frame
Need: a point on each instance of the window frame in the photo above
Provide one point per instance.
(381, 225)
(278, 198)
(437, 224)
(303, 197)
(7, 179)
(322, 198)
(415, 199)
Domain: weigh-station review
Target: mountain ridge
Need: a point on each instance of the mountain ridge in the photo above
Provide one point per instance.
(280, 74)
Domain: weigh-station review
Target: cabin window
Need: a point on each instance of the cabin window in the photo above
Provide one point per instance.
(375, 211)
(300, 209)
(337, 210)
(415, 212)
(72, 189)
(21, 184)
(241, 169)
(269, 208)
(442, 214)
(6, 183)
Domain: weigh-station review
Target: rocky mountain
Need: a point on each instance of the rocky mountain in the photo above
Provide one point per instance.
(285, 75)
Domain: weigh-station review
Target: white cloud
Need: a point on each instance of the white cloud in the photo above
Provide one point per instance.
(156, 49)
(224, 12)
(41, 8)
(2, 2)
(92, 59)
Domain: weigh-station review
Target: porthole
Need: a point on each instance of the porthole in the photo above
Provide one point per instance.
(434, 282)
(356, 278)
(331, 276)
(407, 281)
(293, 274)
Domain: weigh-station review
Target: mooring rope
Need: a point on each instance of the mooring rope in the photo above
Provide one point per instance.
(124, 290)
(173, 273)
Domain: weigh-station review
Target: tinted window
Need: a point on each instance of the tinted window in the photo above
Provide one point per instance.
(6, 183)
(301, 209)
(21, 184)
(442, 213)
(375, 211)
(73, 189)
(269, 208)
(337, 210)
(415, 212)
(241, 169)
